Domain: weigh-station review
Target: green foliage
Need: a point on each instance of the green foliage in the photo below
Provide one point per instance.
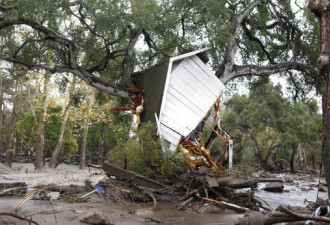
(244, 169)
(144, 154)
(271, 120)
(27, 127)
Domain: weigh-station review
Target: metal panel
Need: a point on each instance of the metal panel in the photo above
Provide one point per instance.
(190, 91)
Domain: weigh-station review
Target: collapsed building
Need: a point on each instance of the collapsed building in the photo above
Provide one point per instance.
(178, 95)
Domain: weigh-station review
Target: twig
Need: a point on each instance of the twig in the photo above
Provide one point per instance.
(151, 196)
(18, 217)
(27, 198)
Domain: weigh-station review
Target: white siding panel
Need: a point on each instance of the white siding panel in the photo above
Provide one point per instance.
(191, 90)
(191, 87)
(170, 135)
(213, 83)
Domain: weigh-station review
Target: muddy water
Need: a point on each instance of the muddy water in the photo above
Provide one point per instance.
(301, 188)
(129, 214)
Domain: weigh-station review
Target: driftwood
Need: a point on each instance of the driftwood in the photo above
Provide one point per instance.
(244, 183)
(227, 205)
(237, 183)
(281, 215)
(303, 216)
(185, 203)
(18, 217)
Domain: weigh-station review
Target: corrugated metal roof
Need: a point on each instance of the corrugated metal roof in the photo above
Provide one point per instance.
(152, 81)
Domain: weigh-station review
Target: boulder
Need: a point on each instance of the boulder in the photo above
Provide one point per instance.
(274, 187)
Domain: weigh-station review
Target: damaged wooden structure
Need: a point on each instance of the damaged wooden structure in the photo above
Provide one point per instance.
(180, 95)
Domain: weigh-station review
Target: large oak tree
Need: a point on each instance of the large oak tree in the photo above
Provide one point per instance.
(97, 40)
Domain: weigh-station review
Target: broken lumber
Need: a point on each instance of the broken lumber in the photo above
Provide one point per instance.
(185, 203)
(112, 170)
(281, 215)
(237, 183)
(227, 205)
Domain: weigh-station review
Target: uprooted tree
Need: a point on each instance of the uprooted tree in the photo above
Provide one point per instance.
(100, 41)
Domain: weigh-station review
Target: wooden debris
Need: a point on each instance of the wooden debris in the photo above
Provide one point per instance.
(237, 183)
(15, 215)
(7, 185)
(228, 205)
(130, 176)
(303, 216)
(185, 203)
(212, 182)
(281, 215)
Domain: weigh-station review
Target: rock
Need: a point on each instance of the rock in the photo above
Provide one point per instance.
(274, 187)
(323, 188)
(143, 212)
(96, 218)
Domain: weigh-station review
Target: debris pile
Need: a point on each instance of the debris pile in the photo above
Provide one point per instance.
(190, 190)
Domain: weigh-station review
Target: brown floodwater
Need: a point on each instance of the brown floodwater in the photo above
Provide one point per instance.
(119, 214)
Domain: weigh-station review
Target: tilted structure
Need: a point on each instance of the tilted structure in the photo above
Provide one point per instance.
(179, 95)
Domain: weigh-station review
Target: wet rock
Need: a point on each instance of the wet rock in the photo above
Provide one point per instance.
(323, 188)
(143, 212)
(274, 187)
(97, 219)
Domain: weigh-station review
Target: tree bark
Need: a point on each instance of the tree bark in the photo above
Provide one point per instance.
(82, 164)
(313, 159)
(321, 9)
(101, 145)
(293, 154)
(39, 150)
(1, 102)
(258, 154)
(54, 162)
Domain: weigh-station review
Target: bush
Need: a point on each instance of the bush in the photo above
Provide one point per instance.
(144, 154)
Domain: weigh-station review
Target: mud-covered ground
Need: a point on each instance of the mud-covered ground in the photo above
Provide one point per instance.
(297, 189)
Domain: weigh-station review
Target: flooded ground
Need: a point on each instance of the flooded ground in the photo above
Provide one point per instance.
(297, 192)
(297, 188)
(119, 214)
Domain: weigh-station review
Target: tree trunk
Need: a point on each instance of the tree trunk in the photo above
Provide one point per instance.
(1, 102)
(82, 164)
(101, 145)
(313, 159)
(258, 154)
(321, 9)
(56, 153)
(293, 154)
(39, 150)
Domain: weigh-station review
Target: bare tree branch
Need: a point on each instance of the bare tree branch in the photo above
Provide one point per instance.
(129, 61)
(253, 70)
(72, 53)
(18, 217)
(236, 19)
(110, 55)
(255, 39)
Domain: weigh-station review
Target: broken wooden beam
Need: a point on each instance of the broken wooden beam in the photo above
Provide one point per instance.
(130, 176)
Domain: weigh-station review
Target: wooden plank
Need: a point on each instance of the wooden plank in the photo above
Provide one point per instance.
(212, 182)
(130, 176)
